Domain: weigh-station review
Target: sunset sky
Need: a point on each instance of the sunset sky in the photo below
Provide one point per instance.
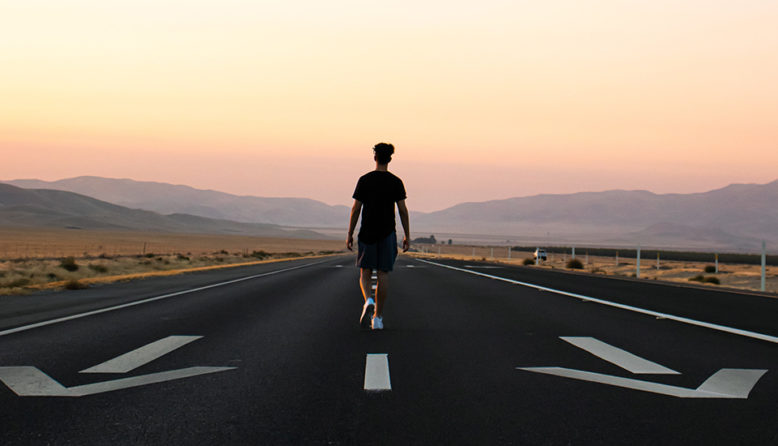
(483, 99)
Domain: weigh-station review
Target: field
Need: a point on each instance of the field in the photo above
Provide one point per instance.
(740, 276)
(36, 259)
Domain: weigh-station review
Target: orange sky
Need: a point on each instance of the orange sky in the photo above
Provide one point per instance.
(483, 100)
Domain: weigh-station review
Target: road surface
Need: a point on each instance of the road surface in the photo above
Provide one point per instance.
(472, 353)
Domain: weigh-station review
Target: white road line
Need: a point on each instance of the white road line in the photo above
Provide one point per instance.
(150, 299)
(377, 372)
(140, 356)
(29, 381)
(617, 356)
(726, 383)
(684, 320)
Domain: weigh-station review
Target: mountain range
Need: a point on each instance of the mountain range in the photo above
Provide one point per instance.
(737, 217)
(53, 208)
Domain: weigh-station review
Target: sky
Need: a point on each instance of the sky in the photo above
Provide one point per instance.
(482, 99)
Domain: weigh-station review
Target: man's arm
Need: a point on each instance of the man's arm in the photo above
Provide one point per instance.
(405, 220)
(355, 211)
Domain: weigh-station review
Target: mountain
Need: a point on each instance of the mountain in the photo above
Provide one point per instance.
(737, 217)
(168, 199)
(54, 208)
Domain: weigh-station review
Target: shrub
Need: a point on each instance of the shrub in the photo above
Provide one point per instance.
(182, 257)
(574, 264)
(75, 285)
(528, 261)
(260, 254)
(18, 283)
(710, 269)
(98, 268)
(150, 255)
(69, 264)
(52, 276)
(224, 252)
(698, 278)
(713, 280)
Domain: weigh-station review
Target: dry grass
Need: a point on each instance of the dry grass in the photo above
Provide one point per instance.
(34, 259)
(58, 243)
(747, 277)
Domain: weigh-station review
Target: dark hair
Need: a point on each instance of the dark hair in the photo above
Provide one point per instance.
(383, 152)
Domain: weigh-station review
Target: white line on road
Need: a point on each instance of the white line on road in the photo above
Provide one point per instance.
(684, 320)
(726, 383)
(29, 381)
(150, 299)
(377, 372)
(617, 356)
(143, 355)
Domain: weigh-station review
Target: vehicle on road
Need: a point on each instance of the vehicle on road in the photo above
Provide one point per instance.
(540, 254)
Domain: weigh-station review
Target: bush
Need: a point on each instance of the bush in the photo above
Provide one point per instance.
(260, 254)
(98, 268)
(698, 278)
(182, 257)
(710, 269)
(69, 264)
(18, 283)
(528, 261)
(713, 280)
(52, 276)
(574, 264)
(75, 285)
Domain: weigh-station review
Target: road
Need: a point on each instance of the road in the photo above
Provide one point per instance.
(273, 354)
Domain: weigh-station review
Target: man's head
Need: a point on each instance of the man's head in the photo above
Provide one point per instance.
(383, 152)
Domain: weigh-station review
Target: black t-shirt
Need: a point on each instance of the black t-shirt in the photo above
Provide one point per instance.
(378, 191)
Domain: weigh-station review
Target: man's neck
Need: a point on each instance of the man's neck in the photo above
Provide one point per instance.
(382, 167)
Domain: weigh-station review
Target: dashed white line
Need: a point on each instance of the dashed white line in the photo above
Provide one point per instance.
(377, 372)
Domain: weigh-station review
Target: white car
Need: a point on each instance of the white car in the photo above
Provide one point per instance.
(540, 254)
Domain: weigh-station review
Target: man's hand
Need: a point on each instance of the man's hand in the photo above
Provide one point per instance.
(350, 242)
(406, 244)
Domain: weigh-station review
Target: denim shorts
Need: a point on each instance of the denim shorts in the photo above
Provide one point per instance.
(379, 255)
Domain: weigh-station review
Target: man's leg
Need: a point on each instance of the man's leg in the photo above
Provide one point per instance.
(365, 282)
(382, 291)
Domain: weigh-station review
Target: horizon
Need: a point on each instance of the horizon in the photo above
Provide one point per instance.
(483, 100)
(349, 204)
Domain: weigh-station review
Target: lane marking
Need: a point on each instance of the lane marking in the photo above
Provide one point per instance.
(617, 356)
(684, 320)
(483, 266)
(726, 383)
(30, 381)
(150, 299)
(377, 372)
(141, 356)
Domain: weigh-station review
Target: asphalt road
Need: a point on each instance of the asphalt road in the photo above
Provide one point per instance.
(470, 360)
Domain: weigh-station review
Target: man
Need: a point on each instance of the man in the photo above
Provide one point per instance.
(375, 196)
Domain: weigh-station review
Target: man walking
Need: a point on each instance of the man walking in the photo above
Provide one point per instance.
(375, 196)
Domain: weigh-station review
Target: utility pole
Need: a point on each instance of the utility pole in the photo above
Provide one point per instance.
(637, 271)
(764, 263)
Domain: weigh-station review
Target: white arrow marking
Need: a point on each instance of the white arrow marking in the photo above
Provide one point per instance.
(726, 383)
(377, 372)
(617, 356)
(143, 355)
(29, 381)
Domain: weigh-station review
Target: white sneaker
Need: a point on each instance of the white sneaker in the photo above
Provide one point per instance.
(368, 311)
(378, 323)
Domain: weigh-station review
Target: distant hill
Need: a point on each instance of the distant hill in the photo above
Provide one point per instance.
(736, 217)
(53, 208)
(169, 199)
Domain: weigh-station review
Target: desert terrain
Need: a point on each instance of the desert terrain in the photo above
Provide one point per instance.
(738, 276)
